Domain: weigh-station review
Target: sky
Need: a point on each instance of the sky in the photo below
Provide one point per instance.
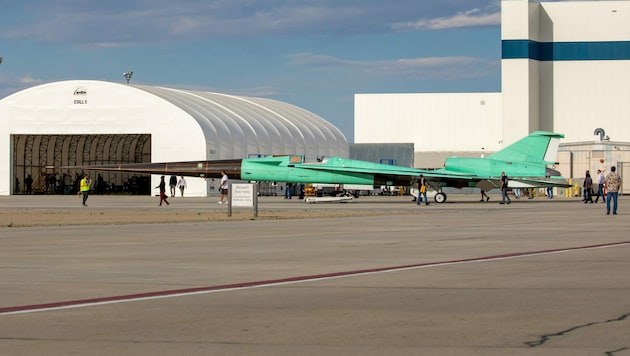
(315, 54)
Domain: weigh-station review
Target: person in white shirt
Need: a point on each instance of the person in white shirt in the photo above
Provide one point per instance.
(223, 187)
(181, 184)
(601, 181)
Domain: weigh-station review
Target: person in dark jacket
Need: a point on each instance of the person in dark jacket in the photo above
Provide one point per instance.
(162, 187)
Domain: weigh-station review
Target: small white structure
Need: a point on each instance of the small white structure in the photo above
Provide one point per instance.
(82, 122)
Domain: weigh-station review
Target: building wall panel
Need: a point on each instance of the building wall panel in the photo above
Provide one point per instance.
(433, 122)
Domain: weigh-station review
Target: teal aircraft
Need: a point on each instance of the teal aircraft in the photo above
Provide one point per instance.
(526, 163)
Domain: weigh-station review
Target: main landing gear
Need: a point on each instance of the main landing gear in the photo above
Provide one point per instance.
(440, 197)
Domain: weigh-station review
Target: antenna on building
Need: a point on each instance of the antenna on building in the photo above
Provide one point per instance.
(602, 134)
(128, 75)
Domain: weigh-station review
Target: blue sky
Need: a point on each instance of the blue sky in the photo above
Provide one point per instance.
(315, 54)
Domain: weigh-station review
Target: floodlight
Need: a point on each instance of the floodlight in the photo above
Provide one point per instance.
(128, 75)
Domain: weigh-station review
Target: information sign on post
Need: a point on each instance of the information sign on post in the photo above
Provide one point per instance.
(243, 195)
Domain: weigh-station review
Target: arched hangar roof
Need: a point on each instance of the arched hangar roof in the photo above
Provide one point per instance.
(241, 126)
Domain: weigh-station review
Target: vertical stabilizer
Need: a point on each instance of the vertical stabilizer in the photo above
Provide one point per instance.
(539, 147)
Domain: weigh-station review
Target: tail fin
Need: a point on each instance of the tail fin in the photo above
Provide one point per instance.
(539, 147)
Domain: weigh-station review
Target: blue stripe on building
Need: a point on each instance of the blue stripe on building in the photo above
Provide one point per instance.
(565, 51)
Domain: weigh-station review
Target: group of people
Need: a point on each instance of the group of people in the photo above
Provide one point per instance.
(290, 189)
(589, 187)
(85, 187)
(607, 188)
(69, 184)
(609, 183)
(174, 184)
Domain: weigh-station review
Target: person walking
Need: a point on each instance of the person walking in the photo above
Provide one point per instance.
(28, 182)
(549, 192)
(84, 187)
(162, 187)
(588, 188)
(67, 183)
(584, 197)
(504, 188)
(288, 191)
(484, 196)
(300, 190)
(181, 184)
(613, 182)
(172, 182)
(601, 180)
(422, 191)
(223, 187)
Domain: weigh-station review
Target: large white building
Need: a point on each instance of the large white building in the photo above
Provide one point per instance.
(83, 122)
(565, 68)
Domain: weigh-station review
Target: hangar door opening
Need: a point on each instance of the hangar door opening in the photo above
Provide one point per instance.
(34, 155)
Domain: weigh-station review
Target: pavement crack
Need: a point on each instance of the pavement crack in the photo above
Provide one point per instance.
(613, 352)
(544, 338)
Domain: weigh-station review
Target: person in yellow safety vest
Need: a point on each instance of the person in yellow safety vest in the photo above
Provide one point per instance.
(84, 186)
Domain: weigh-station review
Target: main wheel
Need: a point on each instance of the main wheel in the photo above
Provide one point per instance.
(440, 197)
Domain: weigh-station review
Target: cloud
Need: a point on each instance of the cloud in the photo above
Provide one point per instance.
(11, 81)
(449, 67)
(91, 22)
(29, 80)
(470, 18)
(106, 24)
(10, 84)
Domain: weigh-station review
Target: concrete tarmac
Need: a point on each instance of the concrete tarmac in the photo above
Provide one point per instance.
(540, 276)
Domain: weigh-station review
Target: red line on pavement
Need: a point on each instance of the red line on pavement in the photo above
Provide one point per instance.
(165, 293)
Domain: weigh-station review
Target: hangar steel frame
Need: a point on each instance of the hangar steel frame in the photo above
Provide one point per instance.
(35, 155)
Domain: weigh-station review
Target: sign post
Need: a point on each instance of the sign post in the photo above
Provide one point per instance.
(243, 195)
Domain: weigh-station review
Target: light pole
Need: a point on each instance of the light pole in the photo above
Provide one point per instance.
(128, 75)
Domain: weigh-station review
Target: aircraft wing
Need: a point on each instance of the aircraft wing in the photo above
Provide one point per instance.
(346, 171)
(538, 183)
(456, 180)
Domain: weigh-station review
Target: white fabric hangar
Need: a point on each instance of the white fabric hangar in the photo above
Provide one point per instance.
(81, 122)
